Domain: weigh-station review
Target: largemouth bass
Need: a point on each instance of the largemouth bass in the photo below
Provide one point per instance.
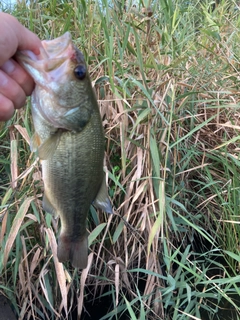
(69, 140)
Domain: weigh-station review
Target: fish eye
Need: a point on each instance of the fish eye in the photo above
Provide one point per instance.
(80, 72)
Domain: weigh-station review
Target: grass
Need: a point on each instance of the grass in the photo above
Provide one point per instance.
(166, 77)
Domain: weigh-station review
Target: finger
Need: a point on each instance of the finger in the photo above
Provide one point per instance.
(6, 108)
(19, 75)
(17, 37)
(11, 90)
(27, 40)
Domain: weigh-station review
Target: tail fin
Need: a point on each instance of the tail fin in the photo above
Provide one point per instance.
(74, 250)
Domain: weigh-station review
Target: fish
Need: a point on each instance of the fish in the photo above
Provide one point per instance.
(69, 140)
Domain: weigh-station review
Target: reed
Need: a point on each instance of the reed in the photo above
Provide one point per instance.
(166, 78)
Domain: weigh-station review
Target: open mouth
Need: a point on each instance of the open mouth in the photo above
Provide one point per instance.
(57, 47)
(52, 55)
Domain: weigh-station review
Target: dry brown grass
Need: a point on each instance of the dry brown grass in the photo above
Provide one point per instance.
(170, 121)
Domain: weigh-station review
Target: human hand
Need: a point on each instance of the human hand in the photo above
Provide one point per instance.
(15, 82)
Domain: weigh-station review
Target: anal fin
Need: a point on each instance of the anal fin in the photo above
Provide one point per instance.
(102, 200)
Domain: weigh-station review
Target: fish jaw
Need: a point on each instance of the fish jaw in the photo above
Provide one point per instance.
(57, 46)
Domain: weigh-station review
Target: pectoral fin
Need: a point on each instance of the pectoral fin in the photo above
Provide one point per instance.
(102, 200)
(35, 142)
(48, 147)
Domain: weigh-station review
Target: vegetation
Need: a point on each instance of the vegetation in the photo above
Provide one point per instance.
(166, 77)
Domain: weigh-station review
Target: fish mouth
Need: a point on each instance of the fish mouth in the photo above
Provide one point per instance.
(57, 47)
(55, 63)
(52, 54)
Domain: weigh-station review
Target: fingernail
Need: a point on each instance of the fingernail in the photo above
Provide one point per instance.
(8, 66)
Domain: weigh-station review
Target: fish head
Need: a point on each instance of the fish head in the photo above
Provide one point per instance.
(59, 63)
(63, 89)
